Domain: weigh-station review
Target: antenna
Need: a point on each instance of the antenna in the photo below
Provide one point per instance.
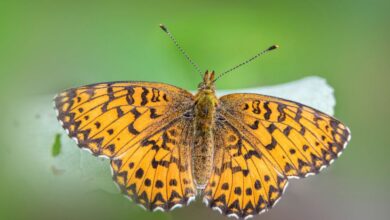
(273, 47)
(165, 29)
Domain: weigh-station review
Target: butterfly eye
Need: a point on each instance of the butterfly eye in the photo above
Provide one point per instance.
(188, 114)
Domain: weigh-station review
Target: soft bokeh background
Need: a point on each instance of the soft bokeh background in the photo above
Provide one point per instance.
(47, 46)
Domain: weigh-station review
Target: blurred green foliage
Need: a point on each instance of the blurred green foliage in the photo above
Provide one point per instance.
(56, 148)
(47, 46)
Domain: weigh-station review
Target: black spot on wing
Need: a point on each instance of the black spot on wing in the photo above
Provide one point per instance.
(271, 128)
(159, 184)
(287, 130)
(282, 114)
(237, 191)
(139, 173)
(135, 112)
(155, 95)
(129, 96)
(132, 130)
(153, 113)
(268, 112)
(272, 145)
(255, 107)
(119, 112)
(255, 125)
(257, 185)
(144, 99)
(298, 115)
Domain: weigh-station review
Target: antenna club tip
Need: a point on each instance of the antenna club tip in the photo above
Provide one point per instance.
(273, 47)
(163, 28)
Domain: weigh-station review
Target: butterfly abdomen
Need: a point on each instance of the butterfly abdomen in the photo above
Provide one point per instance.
(203, 148)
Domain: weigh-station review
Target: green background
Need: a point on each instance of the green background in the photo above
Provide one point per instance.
(47, 46)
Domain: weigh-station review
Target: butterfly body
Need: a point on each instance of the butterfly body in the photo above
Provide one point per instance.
(205, 107)
(165, 144)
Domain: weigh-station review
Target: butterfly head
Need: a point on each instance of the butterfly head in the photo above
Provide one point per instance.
(208, 81)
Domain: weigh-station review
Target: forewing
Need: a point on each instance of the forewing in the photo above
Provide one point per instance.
(297, 139)
(107, 118)
(156, 171)
(244, 182)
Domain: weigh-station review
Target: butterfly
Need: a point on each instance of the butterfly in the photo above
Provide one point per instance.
(166, 146)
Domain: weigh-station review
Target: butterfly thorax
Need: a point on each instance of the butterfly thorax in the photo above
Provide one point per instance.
(206, 103)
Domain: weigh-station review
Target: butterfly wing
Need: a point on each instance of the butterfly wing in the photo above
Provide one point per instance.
(298, 139)
(140, 126)
(156, 172)
(105, 118)
(244, 182)
(291, 139)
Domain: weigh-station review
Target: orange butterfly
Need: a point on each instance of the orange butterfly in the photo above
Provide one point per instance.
(166, 145)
